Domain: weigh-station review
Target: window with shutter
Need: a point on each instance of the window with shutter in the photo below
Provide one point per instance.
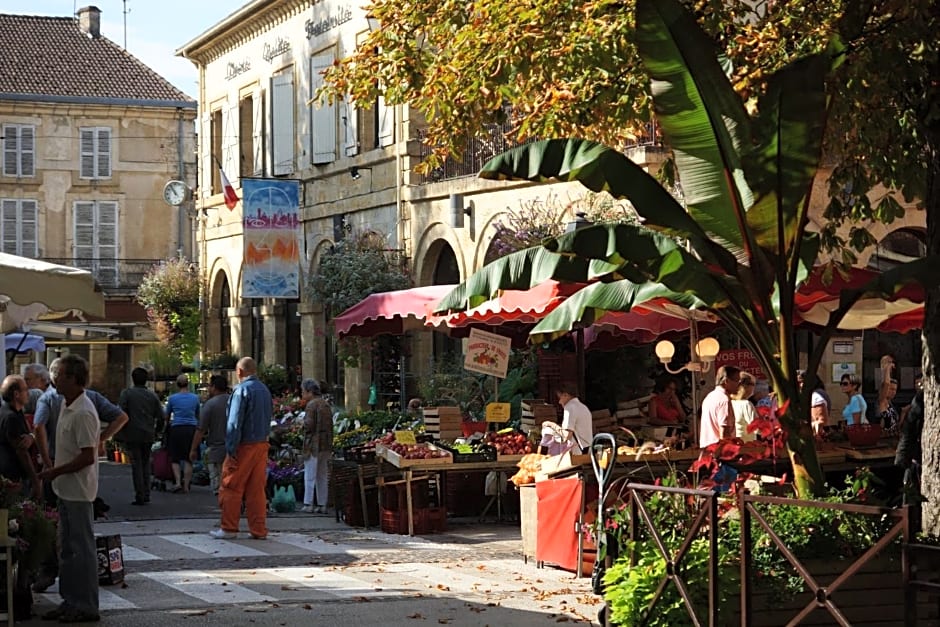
(19, 150)
(282, 123)
(95, 245)
(260, 152)
(386, 123)
(322, 114)
(29, 229)
(216, 132)
(351, 127)
(246, 138)
(18, 227)
(95, 153)
(10, 217)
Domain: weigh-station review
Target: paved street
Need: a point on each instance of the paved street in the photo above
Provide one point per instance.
(313, 569)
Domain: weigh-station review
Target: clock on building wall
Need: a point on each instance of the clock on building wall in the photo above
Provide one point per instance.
(175, 193)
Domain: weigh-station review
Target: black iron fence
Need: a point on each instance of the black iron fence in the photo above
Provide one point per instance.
(113, 275)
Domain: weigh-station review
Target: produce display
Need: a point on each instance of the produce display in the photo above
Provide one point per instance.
(529, 465)
(509, 442)
(417, 451)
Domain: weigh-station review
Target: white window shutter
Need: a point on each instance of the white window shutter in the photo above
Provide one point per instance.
(29, 229)
(322, 115)
(282, 123)
(386, 123)
(27, 151)
(83, 247)
(103, 156)
(205, 155)
(11, 142)
(8, 220)
(87, 153)
(350, 128)
(229, 155)
(257, 127)
(106, 250)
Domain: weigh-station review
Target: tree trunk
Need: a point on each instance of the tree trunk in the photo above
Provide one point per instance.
(808, 478)
(930, 480)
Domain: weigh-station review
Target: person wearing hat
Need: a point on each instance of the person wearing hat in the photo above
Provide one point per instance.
(317, 446)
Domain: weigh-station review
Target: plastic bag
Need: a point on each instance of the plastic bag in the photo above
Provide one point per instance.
(284, 499)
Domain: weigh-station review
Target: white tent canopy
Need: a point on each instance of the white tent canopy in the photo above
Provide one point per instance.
(32, 289)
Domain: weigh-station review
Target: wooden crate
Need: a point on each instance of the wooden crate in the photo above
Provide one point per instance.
(443, 422)
(398, 461)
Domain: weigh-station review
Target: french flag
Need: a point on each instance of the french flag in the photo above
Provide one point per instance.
(231, 199)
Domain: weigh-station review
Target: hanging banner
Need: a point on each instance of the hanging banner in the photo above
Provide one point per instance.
(742, 359)
(487, 353)
(271, 267)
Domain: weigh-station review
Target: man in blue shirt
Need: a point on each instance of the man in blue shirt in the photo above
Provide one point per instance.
(182, 411)
(244, 472)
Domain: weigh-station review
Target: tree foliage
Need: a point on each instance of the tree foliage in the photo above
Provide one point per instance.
(170, 294)
(357, 266)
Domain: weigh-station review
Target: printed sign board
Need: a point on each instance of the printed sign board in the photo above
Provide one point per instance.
(487, 353)
(498, 412)
(740, 358)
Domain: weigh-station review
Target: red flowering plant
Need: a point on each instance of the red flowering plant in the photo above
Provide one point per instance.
(33, 526)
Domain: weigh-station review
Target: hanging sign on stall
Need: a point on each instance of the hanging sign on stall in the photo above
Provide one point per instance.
(740, 358)
(487, 353)
(405, 437)
(498, 412)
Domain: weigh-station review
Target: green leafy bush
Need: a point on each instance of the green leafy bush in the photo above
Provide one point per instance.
(170, 294)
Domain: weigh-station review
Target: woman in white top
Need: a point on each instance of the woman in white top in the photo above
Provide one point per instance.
(744, 411)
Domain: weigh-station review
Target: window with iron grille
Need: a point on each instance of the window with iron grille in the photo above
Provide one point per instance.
(95, 240)
(19, 150)
(95, 146)
(19, 220)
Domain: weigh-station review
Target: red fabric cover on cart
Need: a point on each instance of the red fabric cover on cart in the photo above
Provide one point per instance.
(558, 510)
(390, 312)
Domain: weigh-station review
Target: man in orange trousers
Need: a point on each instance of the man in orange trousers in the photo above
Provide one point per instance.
(244, 472)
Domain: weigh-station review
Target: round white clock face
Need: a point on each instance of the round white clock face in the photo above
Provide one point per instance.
(174, 193)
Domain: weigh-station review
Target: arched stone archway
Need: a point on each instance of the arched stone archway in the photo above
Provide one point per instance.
(428, 252)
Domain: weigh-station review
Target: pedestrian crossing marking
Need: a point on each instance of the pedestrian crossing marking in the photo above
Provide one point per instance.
(333, 583)
(310, 543)
(212, 546)
(206, 587)
(413, 543)
(107, 600)
(132, 554)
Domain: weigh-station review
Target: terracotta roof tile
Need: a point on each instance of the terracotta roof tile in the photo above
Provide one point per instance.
(51, 56)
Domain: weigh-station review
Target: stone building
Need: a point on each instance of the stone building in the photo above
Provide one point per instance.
(259, 70)
(90, 137)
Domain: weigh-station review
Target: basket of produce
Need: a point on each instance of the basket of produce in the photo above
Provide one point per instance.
(510, 445)
(408, 455)
(863, 435)
(465, 453)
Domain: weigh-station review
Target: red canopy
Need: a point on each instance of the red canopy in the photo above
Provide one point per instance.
(390, 312)
(901, 313)
(638, 326)
(511, 306)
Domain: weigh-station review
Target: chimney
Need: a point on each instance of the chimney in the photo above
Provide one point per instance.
(89, 21)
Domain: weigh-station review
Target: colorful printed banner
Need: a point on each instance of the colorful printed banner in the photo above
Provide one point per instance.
(271, 266)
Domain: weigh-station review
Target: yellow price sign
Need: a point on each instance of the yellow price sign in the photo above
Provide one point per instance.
(405, 437)
(498, 412)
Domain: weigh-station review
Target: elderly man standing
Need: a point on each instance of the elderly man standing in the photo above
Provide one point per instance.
(717, 415)
(75, 481)
(246, 445)
(15, 438)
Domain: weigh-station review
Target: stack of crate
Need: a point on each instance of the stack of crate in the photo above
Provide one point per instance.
(632, 413)
(603, 421)
(443, 422)
(534, 413)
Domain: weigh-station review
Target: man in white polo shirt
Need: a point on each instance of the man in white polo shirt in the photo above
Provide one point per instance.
(75, 481)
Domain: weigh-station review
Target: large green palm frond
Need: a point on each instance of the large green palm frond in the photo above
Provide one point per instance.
(520, 271)
(603, 169)
(702, 119)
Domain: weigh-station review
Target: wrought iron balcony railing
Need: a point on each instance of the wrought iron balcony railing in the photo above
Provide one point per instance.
(113, 275)
(495, 140)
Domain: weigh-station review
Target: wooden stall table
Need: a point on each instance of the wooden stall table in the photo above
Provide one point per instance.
(341, 473)
(431, 467)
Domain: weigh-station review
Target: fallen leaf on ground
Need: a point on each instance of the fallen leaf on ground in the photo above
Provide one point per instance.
(360, 599)
(444, 621)
(307, 606)
(416, 615)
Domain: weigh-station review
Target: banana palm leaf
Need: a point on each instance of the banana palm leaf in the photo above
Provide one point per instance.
(593, 301)
(702, 119)
(600, 168)
(520, 271)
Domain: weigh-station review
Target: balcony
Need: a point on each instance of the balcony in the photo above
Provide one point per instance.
(495, 140)
(115, 276)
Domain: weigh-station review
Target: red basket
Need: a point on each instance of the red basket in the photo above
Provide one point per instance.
(863, 435)
(470, 427)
